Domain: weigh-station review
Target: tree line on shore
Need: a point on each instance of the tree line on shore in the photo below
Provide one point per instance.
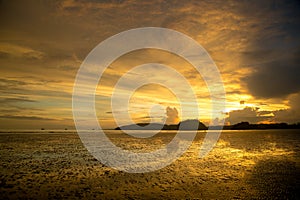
(197, 125)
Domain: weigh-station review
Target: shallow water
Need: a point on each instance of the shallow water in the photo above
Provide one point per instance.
(254, 164)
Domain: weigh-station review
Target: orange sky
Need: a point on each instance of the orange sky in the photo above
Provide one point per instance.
(43, 43)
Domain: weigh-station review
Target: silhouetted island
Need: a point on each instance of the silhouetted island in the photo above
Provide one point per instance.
(197, 125)
(184, 125)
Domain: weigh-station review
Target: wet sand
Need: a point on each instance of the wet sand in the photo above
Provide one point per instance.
(262, 164)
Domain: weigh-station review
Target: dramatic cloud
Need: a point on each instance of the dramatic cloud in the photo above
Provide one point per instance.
(274, 54)
(255, 45)
(291, 115)
(251, 115)
(275, 79)
(172, 116)
(255, 115)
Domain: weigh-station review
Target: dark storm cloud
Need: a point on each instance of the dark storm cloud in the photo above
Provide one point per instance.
(275, 79)
(274, 53)
(291, 115)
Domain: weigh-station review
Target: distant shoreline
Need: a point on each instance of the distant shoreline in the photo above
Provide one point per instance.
(185, 125)
(192, 125)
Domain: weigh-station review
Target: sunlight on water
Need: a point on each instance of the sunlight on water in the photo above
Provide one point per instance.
(243, 164)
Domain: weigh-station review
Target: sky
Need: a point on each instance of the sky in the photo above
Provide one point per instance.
(255, 45)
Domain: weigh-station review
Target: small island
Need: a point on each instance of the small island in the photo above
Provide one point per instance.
(184, 125)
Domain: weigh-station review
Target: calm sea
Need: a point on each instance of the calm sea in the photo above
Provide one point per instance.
(54, 164)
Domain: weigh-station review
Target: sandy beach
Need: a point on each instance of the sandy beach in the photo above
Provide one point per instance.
(252, 164)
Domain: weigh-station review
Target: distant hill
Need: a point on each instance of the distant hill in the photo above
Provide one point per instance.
(192, 124)
(184, 125)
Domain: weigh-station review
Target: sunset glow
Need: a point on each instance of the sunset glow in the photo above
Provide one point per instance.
(255, 46)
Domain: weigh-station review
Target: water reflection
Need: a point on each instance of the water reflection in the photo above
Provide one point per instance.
(243, 165)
